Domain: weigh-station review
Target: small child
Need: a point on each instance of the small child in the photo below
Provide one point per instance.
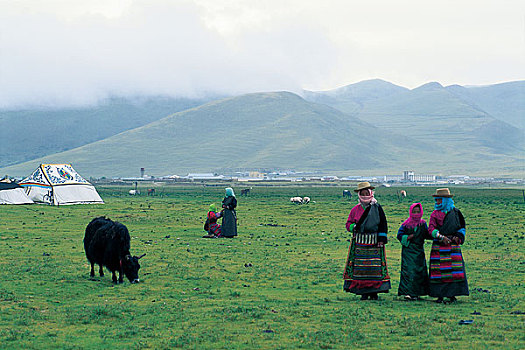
(213, 228)
(414, 280)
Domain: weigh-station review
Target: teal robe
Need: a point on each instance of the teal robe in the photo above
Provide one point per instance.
(414, 279)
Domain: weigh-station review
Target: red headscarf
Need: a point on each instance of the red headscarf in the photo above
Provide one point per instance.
(414, 219)
(367, 200)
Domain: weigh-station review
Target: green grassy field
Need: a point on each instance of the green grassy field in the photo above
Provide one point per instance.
(198, 293)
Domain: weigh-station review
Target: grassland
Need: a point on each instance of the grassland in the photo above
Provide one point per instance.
(203, 293)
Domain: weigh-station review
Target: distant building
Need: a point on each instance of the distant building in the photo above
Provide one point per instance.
(424, 178)
(459, 177)
(408, 175)
(204, 176)
(393, 178)
(329, 178)
(411, 176)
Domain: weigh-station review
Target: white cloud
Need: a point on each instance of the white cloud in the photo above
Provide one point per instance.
(74, 52)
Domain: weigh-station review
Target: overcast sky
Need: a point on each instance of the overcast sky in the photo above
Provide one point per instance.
(75, 52)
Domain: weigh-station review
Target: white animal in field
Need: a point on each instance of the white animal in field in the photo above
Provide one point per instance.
(300, 200)
(403, 193)
(134, 192)
(296, 200)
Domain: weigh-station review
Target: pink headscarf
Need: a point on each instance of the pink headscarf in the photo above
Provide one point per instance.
(414, 219)
(367, 200)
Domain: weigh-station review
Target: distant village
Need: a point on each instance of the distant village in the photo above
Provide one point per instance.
(408, 177)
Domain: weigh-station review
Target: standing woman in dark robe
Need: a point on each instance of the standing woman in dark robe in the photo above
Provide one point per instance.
(447, 268)
(414, 274)
(229, 216)
(366, 271)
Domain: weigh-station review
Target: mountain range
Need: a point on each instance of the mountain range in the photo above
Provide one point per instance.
(371, 126)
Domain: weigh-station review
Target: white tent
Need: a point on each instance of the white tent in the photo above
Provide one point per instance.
(11, 193)
(59, 184)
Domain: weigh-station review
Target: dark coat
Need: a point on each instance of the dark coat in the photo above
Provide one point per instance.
(229, 217)
(414, 280)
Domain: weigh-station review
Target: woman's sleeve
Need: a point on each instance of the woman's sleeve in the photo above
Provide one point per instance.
(382, 230)
(400, 232)
(426, 234)
(350, 221)
(432, 225)
(461, 232)
(461, 219)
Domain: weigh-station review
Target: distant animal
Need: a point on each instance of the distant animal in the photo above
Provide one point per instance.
(245, 192)
(107, 243)
(347, 194)
(135, 191)
(296, 200)
(306, 200)
(401, 195)
(151, 192)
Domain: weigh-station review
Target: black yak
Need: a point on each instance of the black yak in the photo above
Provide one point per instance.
(106, 243)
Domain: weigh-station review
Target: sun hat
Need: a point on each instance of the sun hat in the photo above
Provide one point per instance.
(363, 186)
(443, 192)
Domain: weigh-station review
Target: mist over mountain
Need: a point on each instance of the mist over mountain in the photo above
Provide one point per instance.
(369, 126)
(36, 132)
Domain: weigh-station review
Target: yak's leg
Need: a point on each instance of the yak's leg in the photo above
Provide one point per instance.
(114, 277)
(92, 273)
(100, 270)
(120, 277)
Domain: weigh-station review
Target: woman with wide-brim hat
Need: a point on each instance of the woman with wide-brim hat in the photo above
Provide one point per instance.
(447, 267)
(366, 271)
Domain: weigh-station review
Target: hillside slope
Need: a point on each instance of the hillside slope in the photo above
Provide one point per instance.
(351, 98)
(33, 133)
(447, 117)
(275, 130)
(505, 101)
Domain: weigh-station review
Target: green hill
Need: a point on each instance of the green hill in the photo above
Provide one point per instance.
(274, 130)
(351, 98)
(504, 101)
(32, 133)
(429, 112)
(445, 118)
